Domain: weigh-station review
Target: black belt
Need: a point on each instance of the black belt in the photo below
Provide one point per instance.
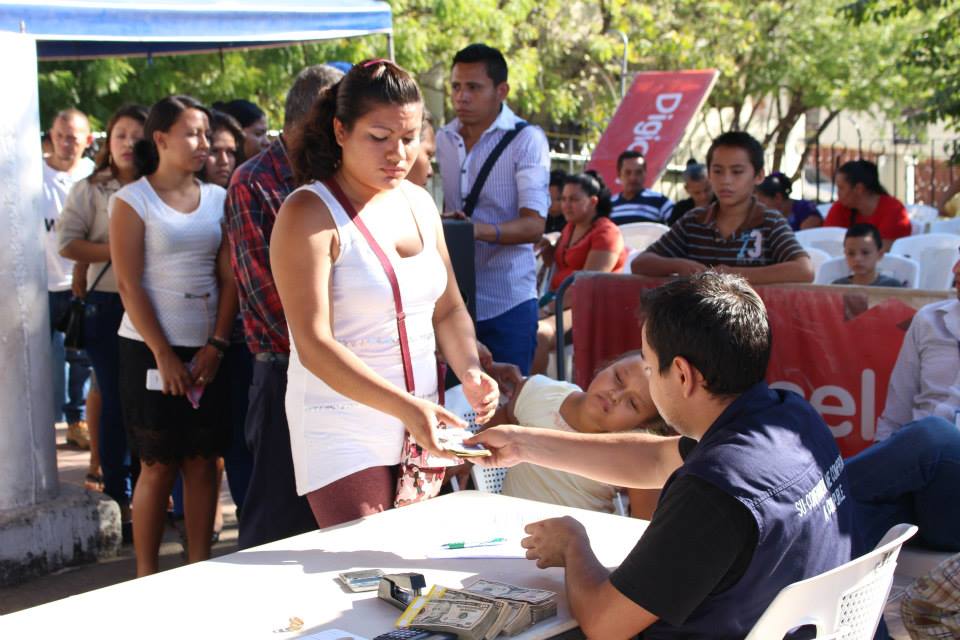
(271, 356)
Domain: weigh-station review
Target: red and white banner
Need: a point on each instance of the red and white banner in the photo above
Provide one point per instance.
(829, 344)
(652, 119)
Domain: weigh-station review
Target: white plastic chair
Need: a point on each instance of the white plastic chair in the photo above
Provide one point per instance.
(818, 257)
(640, 235)
(824, 209)
(829, 239)
(936, 253)
(485, 479)
(631, 254)
(903, 269)
(844, 603)
(946, 226)
(922, 212)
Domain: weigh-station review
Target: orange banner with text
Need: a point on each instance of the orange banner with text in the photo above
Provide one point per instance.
(829, 345)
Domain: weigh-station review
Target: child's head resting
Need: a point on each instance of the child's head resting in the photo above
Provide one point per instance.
(862, 248)
(735, 167)
(618, 397)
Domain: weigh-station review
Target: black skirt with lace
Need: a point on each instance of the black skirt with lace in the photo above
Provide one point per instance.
(165, 428)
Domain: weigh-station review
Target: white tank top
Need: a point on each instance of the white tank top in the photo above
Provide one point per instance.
(179, 262)
(332, 436)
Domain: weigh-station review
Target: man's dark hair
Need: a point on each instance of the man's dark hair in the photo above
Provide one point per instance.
(627, 155)
(557, 176)
(717, 323)
(491, 58)
(739, 140)
(865, 230)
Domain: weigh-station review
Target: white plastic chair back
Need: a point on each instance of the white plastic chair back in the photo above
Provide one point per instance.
(456, 402)
(936, 253)
(829, 239)
(831, 271)
(489, 479)
(946, 226)
(818, 257)
(844, 603)
(631, 254)
(484, 479)
(903, 269)
(640, 235)
(824, 209)
(922, 212)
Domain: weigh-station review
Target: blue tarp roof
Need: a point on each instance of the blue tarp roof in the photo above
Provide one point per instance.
(91, 28)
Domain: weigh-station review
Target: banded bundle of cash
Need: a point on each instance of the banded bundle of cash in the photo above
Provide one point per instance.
(482, 611)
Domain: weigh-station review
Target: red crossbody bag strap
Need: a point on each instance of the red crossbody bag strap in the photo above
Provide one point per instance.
(341, 197)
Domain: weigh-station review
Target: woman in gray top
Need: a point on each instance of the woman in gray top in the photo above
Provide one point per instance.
(84, 237)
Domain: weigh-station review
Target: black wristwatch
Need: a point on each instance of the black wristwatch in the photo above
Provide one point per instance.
(220, 345)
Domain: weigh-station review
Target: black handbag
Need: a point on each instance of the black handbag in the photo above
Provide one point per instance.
(70, 323)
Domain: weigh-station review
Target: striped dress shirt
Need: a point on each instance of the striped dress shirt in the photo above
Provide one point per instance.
(506, 274)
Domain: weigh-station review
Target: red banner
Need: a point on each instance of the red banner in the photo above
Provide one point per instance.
(828, 346)
(652, 119)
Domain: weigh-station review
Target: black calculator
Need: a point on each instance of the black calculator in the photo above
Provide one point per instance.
(415, 634)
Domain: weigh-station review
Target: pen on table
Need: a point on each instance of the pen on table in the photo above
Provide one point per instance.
(468, 545)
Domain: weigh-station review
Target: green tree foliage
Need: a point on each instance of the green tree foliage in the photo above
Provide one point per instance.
(932, 54)
(777, 59)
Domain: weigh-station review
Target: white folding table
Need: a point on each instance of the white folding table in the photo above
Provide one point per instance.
(254, 593)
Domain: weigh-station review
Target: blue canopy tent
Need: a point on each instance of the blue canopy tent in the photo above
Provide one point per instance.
(72, 29)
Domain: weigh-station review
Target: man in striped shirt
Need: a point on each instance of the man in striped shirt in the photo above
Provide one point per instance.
(510, 211)
(636, 203)
(735, 234)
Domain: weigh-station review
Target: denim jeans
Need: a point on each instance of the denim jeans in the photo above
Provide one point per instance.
(512, 336)
(914, 477)
(71, 407)
(104, 312)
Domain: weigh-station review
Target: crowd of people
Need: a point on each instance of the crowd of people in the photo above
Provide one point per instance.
(285, 310)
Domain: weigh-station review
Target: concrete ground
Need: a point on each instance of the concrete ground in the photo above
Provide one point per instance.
(72, 465)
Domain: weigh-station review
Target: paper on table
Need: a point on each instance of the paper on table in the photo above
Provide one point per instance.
(332, 634)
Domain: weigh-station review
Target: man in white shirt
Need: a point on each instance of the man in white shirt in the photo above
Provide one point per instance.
(926, 378)
(509, 213)
(70, 136)
(912, 473)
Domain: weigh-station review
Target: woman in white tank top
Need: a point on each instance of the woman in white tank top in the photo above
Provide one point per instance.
(174, 275)
(347, 404)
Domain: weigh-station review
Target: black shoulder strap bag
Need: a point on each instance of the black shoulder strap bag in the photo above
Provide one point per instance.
(471, 201)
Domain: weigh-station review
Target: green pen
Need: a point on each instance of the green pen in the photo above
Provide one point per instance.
(468, 545)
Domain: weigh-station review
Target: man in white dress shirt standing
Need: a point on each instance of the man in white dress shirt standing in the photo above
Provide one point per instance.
(509, 211)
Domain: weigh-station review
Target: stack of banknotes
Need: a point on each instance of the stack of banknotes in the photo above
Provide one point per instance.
(482, 610)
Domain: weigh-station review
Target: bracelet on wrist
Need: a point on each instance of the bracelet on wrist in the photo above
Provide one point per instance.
(219, 344)
(496, 231)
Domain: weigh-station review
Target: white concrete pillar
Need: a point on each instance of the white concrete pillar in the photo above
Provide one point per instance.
(43, 527)
(28, 465)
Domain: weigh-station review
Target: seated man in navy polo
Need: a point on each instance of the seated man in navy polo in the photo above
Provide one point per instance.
(754, 493)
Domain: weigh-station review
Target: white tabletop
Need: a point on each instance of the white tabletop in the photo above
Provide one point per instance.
(253, 593)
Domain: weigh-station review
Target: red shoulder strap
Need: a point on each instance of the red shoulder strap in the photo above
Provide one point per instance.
(341, 197)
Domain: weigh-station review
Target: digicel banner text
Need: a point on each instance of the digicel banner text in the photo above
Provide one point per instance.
(652, 119)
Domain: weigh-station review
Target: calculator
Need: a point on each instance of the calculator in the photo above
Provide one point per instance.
(415, 634)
